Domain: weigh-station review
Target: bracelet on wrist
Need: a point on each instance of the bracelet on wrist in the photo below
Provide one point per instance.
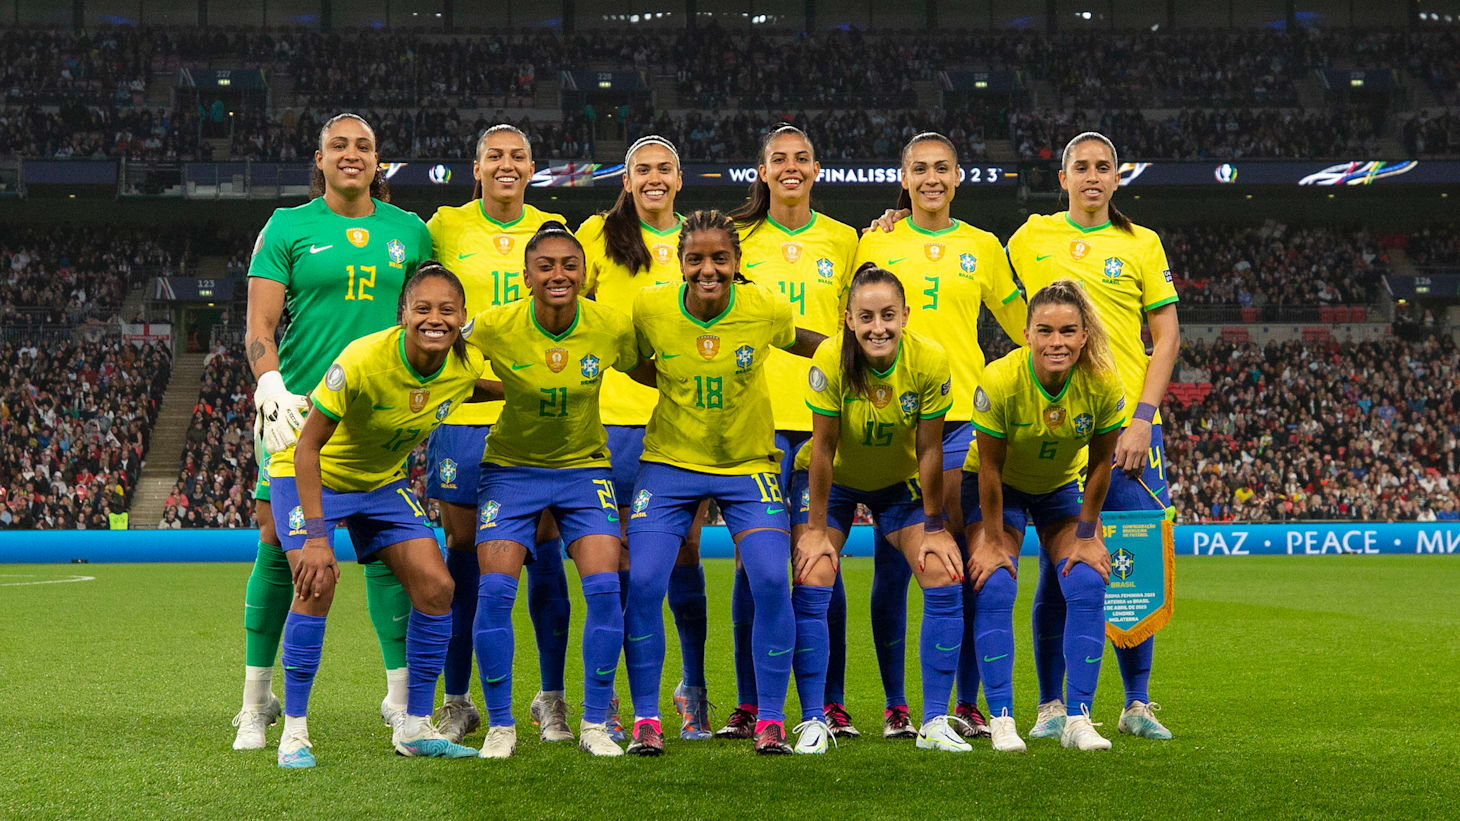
(933, 524)
(1145, 411)
(315, 529)
(1086, 530)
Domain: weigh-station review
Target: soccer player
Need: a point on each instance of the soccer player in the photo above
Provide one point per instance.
(879, 393)
(948, 269)
(337, 264)
(384, 392)
(808, 255)
(711, 436)
(1037, 411)
(1123, 269)
(549, 452)
(631, 247)
(483, 241)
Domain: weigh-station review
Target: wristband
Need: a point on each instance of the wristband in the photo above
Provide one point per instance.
(315, 529)
(933, 524)
(1083, 529)
(1145, 412)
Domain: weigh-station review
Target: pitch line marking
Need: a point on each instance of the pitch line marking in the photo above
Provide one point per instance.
(65, 580)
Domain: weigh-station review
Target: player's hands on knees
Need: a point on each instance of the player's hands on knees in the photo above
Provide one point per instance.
(939, 549)
(813, 546)
(888, 219)
(985, 556)
(1091, 552)
(1131, 448)
(316, 572)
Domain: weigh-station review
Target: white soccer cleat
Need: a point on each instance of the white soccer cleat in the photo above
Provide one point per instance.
(252, 725)
(813, 737)
(415, 736)
(391, 714)
(594, 740)
(1081, 734)
(1005, 735)
(939, 734)
(1139, 719)
(294, 750)
(457, 719)
(550, 713)
(501, 742)
(1050, 722)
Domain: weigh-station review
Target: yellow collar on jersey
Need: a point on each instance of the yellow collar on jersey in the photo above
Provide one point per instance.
(401, 346)
(684, 290)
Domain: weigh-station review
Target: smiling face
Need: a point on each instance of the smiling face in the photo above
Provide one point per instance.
(930, 175)
(653, 178)
(1090, 177)
(504, 166)
(709, 260)
(789, 167)
(876, 315)
(1056, 336)
(434, 314)
(555, 271)
(347, 157)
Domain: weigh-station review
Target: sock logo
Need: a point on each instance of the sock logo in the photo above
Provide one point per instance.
(1095, 660)
(598, 671)
(641, 638)
(991, 659)
(939, 647)
(491, 680)
(779, 652)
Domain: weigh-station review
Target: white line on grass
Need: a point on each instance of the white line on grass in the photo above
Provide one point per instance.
(66, 580)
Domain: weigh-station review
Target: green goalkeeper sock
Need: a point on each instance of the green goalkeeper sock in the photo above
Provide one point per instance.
(266, 605)
(390, 611)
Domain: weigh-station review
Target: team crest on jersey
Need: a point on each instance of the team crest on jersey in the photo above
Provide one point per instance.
(790, 251)
(641, 504)
(980, 400)
(1054, 417)
(1122, 564)
(744, 356)
(334, 378)
(824, 268)
(663, 253)
(967, 262)
(419, 397)
(447, 472)
(444, 409)
(1079, 248)
(397, 251)
(503, 243)
(1113, 267)
(487, 516)
(588, 366)
(934, 250)
(708, 346)
(296, 521)
(358, 237)
(1084, 423)
(881, 395)
(909, 402)
(556, 359)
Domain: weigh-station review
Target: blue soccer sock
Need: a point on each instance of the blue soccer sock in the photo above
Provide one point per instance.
(303, 640)
(810, 605)
(496, 593)
(603, 638)
(456, 674)
(1049, 631)
(890, 577)
(1135, 669)
(994, 631)
(836, 631)
(550, 609)
(651, 559)
(623, 588)
(1084, 634)
(426, 640)
(742, 613)
(687, 603)
(766, 555)
(940, 640)
(968, 676)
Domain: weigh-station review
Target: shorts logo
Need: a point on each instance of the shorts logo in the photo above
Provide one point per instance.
(444, 409)
(1113, 267)
(641, 504)
(1083, 424)
(334, 379)
(881, 395)
(947, 386)
(817, 378)
(981, 400)
(1122, 564)
(744, 356)
(1079, 248)
(358, 237)
(708, 346)
(909, 402)
(503, 243)
(397, 251)
(790, 251)
(967, 262)
(488, 515)
(447, 472)
(296, 521)
(805, 500)
(418, 399)
(557, 359)
(663, 253)
(1054, 417)
(824, 268)
(471, 325)
(588, 366)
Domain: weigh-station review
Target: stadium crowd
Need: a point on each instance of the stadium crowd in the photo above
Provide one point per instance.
(54, 275)
(75, 423)
(1275, 265)
(217, 470)
(1434, 246)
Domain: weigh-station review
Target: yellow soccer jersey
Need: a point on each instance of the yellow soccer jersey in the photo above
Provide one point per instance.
(552, 382)
(487, 256)
(1046, 437)
(878, 443)
(384, 409)
(811, 266)
(714, 408)
(947, 274)
(1124, 274)
(626, 402)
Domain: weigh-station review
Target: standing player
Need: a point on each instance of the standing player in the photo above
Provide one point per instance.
(549, 452)
(629, 248)
(382, 394)
(949, 268)
(809, 256)
(337, 265)
(1123, 269)
(483, 240)
(879, 394)
(711, 437)
(1037, 411)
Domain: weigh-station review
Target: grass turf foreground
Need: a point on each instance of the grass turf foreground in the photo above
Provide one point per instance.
(1296, 687)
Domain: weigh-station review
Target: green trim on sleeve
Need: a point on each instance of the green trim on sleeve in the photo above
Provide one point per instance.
(823, 411)
(1010, 297)
(1103, 431)
(989, 431)
(936, 414)
(327, 412)
(1167, 301)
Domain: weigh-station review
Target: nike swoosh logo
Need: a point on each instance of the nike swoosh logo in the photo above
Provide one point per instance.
(668, 355)
(893, 643)
(1022, 424)
(640, 638)
(291, 667)
(464, 256)
(246, 606)
(608, 672)
(779, 652)
(804, 650)
(314, 249)
(1089, 660)
(497, 679)
(560, 632)
(771, 511)
(517, 366)
(613, 517)
(895, 261)
(400, 618)
(1041, 257)
(753, 264)
(382, 407)
(937, 646)
(988, 659)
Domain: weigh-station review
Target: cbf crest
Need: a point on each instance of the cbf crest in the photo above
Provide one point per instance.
(443, 409)
(708, 346)
(397, 251)
(641, 504)
(1113, 267)
(791, 252)
(447, 471)
(934, 251)
(824, 268)
(909, 402)
(556, 359)
(588, 366)
(419, 397)
(487, 516)
(744, 356)
(1122, 564)
(296, 520)
(1084, 423)
(967, 262)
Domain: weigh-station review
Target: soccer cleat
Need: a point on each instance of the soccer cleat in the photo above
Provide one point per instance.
(1079, 732)
(501, 742)
(772, 740)
(812, 737)
(896, 723)
(294, 751)
(741, 724)
(1050, 722)
(594, 739)
(974, 725)
(426, 741)
(391, 714)
(839, 722)
(616, 729)
(550, 714)
(457, 719)
(1137, 719)
(648, 739)
(1005, 735)
(939, 734)
(251, 725)
(694, 709)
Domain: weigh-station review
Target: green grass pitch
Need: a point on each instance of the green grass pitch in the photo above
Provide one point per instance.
(1296, 687)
